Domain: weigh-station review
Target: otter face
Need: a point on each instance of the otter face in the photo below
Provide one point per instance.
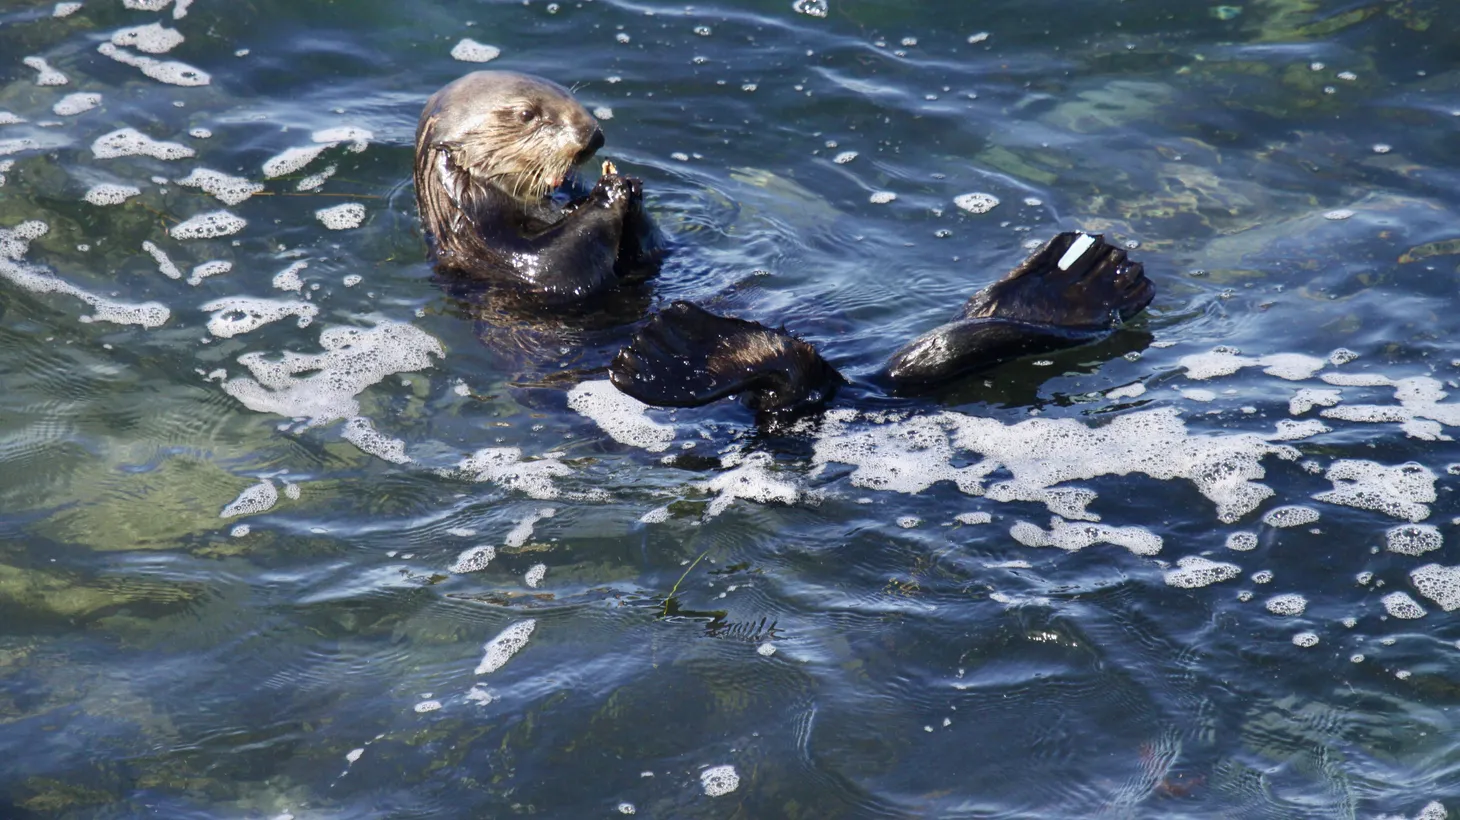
(520, 134)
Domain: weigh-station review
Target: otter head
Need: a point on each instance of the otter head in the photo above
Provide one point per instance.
(520, 134)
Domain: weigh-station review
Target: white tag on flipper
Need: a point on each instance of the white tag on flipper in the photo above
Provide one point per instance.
(1077, 250)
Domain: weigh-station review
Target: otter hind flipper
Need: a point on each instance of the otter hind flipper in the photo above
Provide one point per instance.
(1077, 280)
(1074, 290)
(685, 356)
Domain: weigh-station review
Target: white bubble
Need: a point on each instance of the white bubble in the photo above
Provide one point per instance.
(258, 498)
(361, 432)
(1290, 516)
(427, 706)
(534, 575)
(316, 181)
(1402, 491)
(504, 466)
(322, 387)
(1290, 366)
(288, 278)
(750, 478)
(240, 314)
(1400, 605)
(844, 157)
(1242, 541)
(109, 194)
(292, 160)
(907, 522)
(470, 51)
(66, 9)
(810, 8)
(45, 75)
(73, 104)
(719, 780)
(341, 217)
(1338, 214)
(1438, 583)
(1076, 536)
(473, 559)
(1291, 604)
(882, 197)
(153, 38)
(171, 72)
(766, 649)
(1195, 571)
(240, 531)
(128, 142)
(1413, 539)
(974, 518)
(229, 190)
(509, 642)
(619, 415)
(207, 269)
(208, 225)
(976, 203)
(1309, 397)
(1305, 639)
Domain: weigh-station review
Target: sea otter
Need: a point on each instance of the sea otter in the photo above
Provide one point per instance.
(499, 203)
(495, 186)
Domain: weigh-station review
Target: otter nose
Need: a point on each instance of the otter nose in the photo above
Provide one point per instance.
(595, 142)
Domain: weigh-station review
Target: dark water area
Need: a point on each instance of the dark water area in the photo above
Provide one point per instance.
(332, 542)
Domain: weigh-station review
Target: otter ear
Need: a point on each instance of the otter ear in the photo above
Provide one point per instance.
(685, 356)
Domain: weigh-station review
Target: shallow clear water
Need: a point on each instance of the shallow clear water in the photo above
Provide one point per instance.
(222, 596)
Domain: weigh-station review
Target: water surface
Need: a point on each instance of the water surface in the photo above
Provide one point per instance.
(1198, 570)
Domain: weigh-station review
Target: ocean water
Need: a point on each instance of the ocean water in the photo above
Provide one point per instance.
(292, 528)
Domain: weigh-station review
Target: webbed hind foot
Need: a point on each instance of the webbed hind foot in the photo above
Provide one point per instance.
(1074, 290)
(685, 356)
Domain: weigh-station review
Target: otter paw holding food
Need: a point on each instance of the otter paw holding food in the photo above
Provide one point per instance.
(493, 149)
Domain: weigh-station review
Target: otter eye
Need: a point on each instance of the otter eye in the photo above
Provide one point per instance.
(527, 115)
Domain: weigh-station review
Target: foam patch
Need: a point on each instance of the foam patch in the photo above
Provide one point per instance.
(170, 72)
(209, 225)
(45, 75)
(229, 190)
(259, 498)
(1309, 397)
(153, 38)
(1290, 516)
(341, 217)
(509, 642)
(15, 242)
(1290, 366)
(1194, 571)
(207, 269)
(322, 387)
(470, 51)
(1420, 413)
(523, 531)
(129, 142)
(719, 780)
(473, 559)
(1400, 605)
(165, 264)
(750, 478)
(534, 575)
(360, 432)
(619, 415)
(1438, 583)
(73, 104)
(505, 467)
(292, 160)
(912, 455)
(1291, 604)
(1077, 536)
(109, 194)
(1413, 539)
(1402, 492)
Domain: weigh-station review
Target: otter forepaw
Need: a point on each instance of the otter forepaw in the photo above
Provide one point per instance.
(616, 189)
